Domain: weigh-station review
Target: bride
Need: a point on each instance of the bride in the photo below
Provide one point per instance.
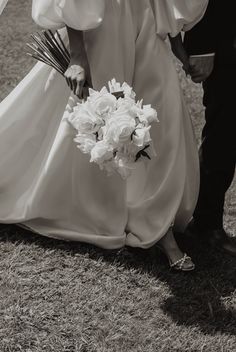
(47, 185)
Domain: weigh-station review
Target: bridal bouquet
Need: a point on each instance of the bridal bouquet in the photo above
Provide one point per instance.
(110, 125)
(113, 129)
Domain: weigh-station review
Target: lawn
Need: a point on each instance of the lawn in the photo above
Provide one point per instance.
(71, 297)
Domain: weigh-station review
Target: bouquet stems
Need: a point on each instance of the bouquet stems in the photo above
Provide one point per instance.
(50, 49)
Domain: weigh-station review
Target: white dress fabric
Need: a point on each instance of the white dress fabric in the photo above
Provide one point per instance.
(3, 4)
(81, 15)
(48, 185)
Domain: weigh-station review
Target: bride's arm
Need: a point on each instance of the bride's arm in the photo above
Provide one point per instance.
(78, 73)
(174, 16)
(81, 15)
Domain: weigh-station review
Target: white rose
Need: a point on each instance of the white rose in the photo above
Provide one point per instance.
(101, 152)
(102, 102)
(84, 119)
(114, 86)
(128, 91)
(149, 114)
(86, 142)
(119, 127)
(126, 104)
(141, 136)
(145, 114)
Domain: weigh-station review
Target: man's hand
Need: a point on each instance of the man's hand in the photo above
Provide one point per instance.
(201, 67)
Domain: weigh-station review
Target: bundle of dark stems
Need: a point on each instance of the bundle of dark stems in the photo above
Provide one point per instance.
(50, 49)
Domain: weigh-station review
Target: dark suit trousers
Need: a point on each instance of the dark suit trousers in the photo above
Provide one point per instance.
(218, 149)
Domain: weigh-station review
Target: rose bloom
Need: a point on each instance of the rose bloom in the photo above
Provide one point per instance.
(102, 102)
(86, 142)
(114, 86)
(84, 120)
(141, 136)
(101, 152)
(119, 127)
(128, 91)
(126, 105)
(145, 114)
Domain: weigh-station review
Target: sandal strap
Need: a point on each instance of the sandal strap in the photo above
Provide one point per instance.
(180, 263)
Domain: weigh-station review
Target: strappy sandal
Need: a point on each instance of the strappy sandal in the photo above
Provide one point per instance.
(179, 264)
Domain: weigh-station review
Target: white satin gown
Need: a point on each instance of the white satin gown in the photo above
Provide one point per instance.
(47, 184)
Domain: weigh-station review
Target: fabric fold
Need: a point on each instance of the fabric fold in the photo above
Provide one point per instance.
(3, 4)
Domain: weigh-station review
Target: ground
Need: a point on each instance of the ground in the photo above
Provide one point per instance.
(61, 297)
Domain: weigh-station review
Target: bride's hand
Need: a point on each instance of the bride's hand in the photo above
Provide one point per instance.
(78, 80)
(78, 75)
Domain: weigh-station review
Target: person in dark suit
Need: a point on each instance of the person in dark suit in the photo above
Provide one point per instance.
(211, 46)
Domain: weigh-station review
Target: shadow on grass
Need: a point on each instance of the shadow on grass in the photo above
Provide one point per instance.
(199, 299)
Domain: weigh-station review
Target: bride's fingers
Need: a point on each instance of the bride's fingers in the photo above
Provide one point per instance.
(80, 91)
(79, 88)
(70, 83)
(77, 92)
(74, 85)
(74, 75)
(68, 78)
(85, 92)
(67, 81)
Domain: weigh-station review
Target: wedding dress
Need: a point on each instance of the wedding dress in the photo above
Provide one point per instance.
(47, 184)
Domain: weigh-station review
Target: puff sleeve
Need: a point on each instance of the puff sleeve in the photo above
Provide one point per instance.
(77, 14)
(174, 16)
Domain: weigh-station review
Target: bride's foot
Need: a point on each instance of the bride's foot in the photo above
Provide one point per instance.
(177, 259)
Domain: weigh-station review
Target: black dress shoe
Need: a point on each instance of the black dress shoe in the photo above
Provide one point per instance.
(217, 238)
(3, 227)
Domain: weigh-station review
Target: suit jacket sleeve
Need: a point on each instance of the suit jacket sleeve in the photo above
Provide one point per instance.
(202, 39)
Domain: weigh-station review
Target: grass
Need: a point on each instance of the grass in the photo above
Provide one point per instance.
(71, 297)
